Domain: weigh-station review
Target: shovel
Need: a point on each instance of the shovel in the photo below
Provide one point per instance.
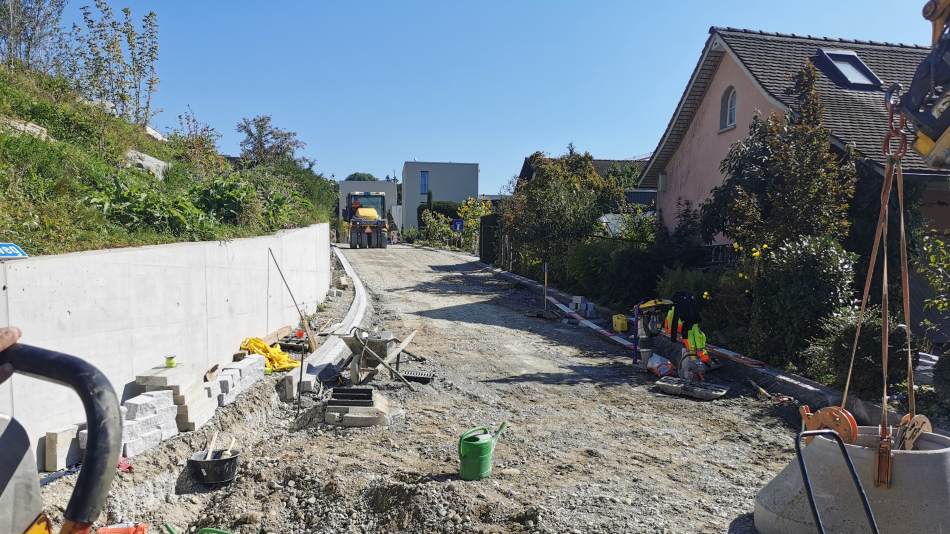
(227, 453)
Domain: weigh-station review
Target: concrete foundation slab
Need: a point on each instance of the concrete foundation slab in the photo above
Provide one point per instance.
(916, 502)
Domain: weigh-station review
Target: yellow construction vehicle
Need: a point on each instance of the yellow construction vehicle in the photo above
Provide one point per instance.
(366, 214)
(926, 103)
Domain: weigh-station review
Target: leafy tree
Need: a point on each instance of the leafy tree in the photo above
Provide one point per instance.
(783, 181)
(625, 176)
(429, 202)
(113, 62)
(266, 143)
(28, 32)
(361, 177)
(561, 203)
(197, 142)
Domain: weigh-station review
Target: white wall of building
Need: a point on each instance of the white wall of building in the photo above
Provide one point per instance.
(123, 310)
(448, 181)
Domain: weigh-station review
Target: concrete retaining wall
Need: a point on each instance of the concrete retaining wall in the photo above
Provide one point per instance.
(125, 309)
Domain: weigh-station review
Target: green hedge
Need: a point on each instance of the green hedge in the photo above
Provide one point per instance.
(443, 207)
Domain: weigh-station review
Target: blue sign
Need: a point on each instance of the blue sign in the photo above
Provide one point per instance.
(9, 250)
(457, 225)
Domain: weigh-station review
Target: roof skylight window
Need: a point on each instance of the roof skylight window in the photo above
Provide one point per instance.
(851, 68)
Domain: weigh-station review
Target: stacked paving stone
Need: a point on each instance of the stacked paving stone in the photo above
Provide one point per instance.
(175, 400)
(147, 420)
(236, 377)
(193, 402)
(583, 307)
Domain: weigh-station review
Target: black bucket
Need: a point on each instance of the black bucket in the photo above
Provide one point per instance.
(217, 470)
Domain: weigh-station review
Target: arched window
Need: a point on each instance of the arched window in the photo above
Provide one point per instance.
(727, 113)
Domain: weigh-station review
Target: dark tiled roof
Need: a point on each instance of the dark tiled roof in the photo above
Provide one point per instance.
(854, 115)
(601, 166)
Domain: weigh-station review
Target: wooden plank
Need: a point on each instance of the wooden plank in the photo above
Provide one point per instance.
(391, 357)
(272, 338)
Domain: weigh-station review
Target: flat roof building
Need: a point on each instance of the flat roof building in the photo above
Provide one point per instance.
(447, 181)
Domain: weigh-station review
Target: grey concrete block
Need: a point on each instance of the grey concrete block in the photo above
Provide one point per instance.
(83, 437)
(188, 411)
(166, 376)
(62, 448)
(285, 388)
(213, 389)
(243, 367)
(166, 415)
(168, 430)
(257, 361)
(163, 398)
(194, 392)
(235, 374)
(142, 444)
(124, 412)
(133, 429)
(198, 421)
(139, 407)
(226, 382)
(183, 382)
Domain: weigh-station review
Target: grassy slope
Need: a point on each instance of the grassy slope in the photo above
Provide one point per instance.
(46, 187)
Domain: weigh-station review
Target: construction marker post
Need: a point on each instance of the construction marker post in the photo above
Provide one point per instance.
(545, 287)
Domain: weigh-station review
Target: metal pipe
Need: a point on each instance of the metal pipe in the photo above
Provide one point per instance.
(854, 475)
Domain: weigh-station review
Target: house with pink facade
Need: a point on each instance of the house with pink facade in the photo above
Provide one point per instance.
(742, 73)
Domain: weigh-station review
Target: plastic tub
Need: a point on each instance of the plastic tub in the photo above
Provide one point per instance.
(217, 470)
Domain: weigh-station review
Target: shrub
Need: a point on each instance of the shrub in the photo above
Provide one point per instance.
(437, 228)
(590, 267)
(805, 280)
(694, 281)
(942, 375)
(829, 357)
(446, 208)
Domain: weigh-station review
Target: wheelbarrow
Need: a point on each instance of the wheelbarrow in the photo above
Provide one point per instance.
(371, 350)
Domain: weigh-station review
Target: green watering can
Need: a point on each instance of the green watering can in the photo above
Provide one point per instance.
(475, 452)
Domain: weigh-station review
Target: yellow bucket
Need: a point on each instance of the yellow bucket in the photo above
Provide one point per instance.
(620, 323)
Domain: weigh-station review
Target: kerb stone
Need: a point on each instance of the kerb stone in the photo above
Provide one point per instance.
(140, 407)
(144, 443)
(62, 448)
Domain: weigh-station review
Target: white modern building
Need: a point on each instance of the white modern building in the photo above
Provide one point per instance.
(447, 181)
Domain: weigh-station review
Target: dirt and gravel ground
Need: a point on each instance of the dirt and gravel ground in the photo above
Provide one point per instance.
(591, 445)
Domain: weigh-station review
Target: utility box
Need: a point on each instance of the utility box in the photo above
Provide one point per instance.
(620, 323)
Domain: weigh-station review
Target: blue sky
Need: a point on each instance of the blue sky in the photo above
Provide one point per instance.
(369, 85)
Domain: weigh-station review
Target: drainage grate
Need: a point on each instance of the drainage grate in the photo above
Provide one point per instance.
(421, 377)
(351, 397)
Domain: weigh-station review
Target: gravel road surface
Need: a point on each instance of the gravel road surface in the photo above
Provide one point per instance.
(591, 445)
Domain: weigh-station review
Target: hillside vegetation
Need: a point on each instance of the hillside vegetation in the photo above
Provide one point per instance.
(75, 191)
